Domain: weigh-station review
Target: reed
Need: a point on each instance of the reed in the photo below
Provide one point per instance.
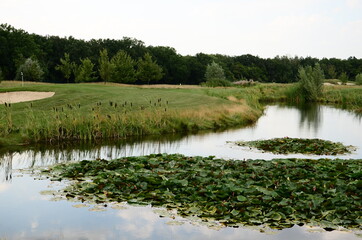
(88, 112)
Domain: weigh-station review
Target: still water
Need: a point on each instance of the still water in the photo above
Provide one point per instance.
(27, 214)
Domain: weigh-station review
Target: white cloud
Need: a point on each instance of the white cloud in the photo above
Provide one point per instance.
(353, 3)
(234, 27)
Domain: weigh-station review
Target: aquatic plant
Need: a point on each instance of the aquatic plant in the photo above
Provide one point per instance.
(288, 145)
(278, 193)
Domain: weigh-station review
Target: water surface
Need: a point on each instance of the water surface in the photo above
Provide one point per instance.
(26, 214)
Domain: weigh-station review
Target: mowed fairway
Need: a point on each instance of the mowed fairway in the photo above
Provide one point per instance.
(90, 111)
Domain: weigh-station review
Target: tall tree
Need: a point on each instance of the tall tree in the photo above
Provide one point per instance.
(148, 70)
(106, 68)
(66, 66)
(124, 71)
(85, 72)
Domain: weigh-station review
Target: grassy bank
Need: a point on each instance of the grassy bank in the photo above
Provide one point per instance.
(95, 111)
(113, 111)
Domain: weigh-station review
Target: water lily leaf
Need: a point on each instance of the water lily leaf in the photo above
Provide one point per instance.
(175, 223)
(241, 198)
(97, 209)
(235, 212)
(80, 205)
(48, 192)
(207, 190)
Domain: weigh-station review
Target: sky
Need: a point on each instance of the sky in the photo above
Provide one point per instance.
(264, 28)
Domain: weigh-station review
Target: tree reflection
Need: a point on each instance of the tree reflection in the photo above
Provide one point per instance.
(45, 155)
(310, 116)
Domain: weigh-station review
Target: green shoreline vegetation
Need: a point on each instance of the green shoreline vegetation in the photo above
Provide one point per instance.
(87, 112)
(278, 193)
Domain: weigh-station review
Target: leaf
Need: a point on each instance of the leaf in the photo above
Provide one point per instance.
(235, 212)
(241, 198)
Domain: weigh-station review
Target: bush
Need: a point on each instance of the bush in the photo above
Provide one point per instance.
(214, 71)
(217, 83)
(343, 78)
(31, 71)
(310, 82)
(359, 79)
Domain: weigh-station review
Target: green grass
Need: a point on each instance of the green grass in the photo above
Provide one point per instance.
(98, 111)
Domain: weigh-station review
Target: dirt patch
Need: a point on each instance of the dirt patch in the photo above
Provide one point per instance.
(24, 96)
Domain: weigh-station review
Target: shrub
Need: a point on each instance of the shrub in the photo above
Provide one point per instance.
(310, 82)
(214, 71)
(343, 78)
(217, 83)
(31, 70)
(215, 76)
(359, 79)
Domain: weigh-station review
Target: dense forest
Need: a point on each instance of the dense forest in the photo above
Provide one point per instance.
(53, 54)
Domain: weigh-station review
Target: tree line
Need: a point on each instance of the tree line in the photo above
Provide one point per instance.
(66, 59)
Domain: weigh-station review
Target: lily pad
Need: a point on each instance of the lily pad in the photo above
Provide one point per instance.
(278, 193)
(288, 145)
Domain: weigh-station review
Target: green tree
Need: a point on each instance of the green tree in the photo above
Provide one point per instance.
(214, 71)
(359, 79)
(106, 68)
(1, 75)
(311, 82)
(148, 70)
(31, 70)
(84, 72)
(215, 76)
(343, 78)
(124, 71)
(66, 66)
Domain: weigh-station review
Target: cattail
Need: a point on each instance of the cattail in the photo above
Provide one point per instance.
(31, 105)
(111, 103)
(131, 104)
(6, 105)
(115, 105)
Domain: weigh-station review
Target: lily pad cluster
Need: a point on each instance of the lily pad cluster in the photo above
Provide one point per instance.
(278, 193)
(298, 145)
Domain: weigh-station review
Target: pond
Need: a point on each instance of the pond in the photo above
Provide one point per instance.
(27, 214)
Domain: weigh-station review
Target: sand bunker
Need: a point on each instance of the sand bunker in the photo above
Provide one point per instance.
(15, 97)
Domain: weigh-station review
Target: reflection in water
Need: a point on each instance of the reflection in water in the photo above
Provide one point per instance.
(46, 156)
(310, 116)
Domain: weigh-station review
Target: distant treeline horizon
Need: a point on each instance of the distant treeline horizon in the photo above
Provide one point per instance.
(17, 45)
